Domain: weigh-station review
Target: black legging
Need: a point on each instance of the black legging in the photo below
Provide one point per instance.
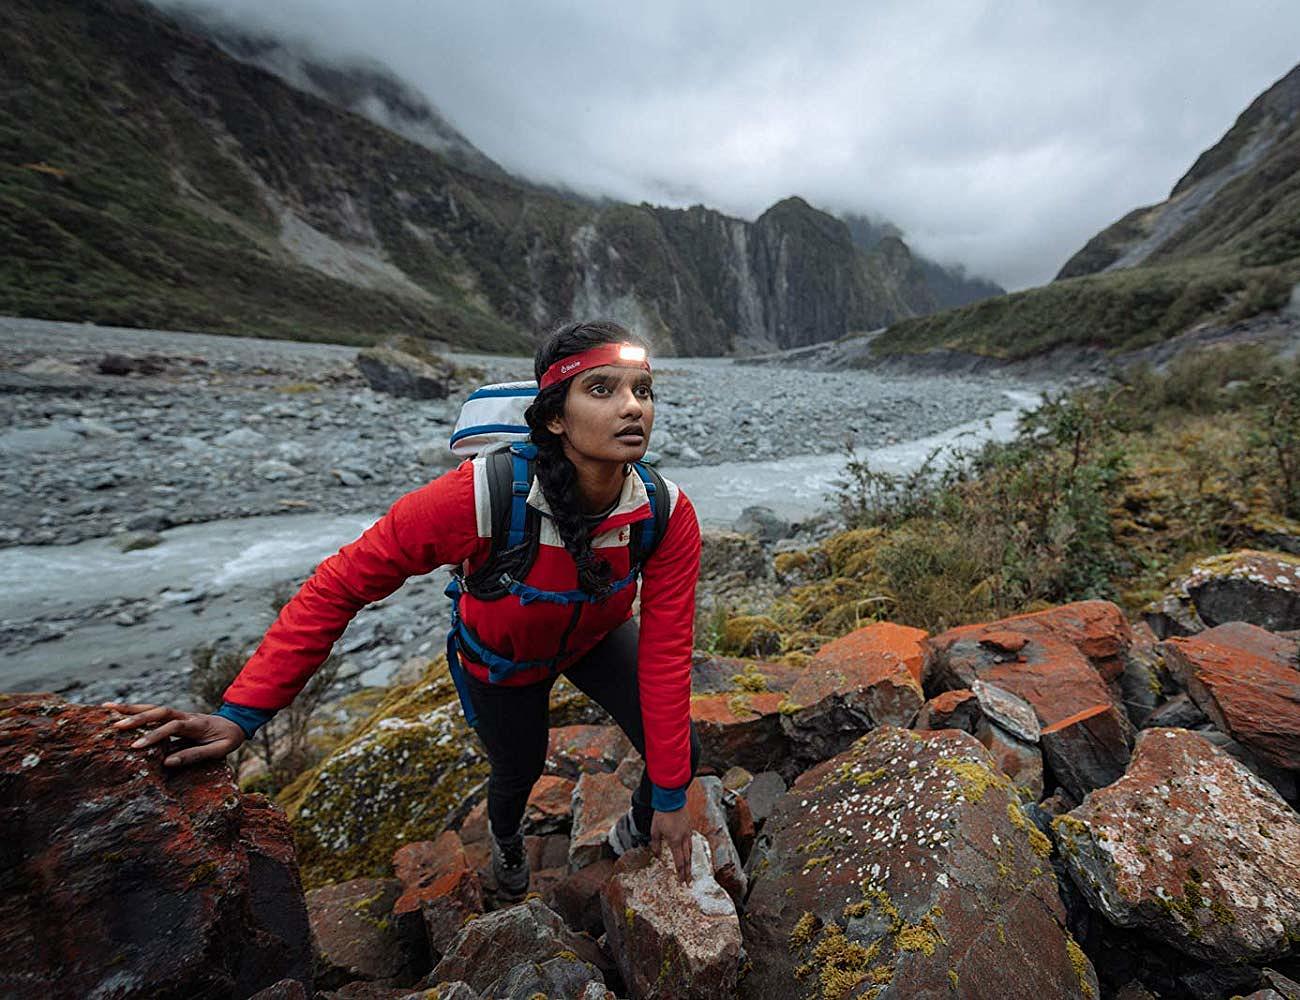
(513, 724)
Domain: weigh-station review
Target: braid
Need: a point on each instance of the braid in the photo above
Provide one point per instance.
(555, 473)
(559, 482)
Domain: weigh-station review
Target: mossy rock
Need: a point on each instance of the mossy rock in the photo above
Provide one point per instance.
(750, 635)
(402, 775)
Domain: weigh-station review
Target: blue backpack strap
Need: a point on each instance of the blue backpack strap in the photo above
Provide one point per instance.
(652, 530)
(454, 666)
(521, 459)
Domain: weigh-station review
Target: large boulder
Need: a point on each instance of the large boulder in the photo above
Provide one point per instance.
(1193, 849)
(1062, 662)
(398, 373)
(1097, 630)
(672, 941)
(1262, 588)
(123, 877)
(905, 867)
(1247, 680)
(401, 776)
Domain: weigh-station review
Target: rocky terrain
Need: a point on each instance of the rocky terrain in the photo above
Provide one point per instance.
(1057, 804)
(199, 428)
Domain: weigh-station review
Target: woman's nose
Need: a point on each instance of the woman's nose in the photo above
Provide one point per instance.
(631, 405)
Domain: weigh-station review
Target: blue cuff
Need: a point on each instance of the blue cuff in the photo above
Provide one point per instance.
(250, 720)
(667, 800)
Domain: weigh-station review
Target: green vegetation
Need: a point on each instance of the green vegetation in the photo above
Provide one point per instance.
(1106, 493)
(1114, 311)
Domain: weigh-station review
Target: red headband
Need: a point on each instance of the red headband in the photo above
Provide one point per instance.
(624, 355)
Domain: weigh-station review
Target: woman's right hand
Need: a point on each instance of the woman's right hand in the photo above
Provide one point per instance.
(218, 735)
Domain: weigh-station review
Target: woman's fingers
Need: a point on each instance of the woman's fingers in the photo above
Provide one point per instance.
(142, 715)
(192, 755)
(174, 728)
(682, 857)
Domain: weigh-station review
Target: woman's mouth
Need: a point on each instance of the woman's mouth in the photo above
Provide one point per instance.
(631, 435)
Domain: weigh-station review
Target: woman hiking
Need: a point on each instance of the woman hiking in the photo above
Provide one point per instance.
(561, 601)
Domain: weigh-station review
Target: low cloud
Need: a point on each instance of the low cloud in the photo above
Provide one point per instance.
(999, 136)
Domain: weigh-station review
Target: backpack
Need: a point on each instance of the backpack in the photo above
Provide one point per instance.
(492, 421)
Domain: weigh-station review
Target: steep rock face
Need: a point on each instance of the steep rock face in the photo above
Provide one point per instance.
(149, 174)
(1241, 188)
(123, 877)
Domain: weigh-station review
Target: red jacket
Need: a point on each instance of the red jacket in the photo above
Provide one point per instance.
(447, 522)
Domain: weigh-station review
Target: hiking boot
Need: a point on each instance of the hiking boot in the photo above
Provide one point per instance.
(625, 835)
(510, 864)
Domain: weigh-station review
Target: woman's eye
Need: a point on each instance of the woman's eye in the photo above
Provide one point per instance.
(645, 392)
(599, 390)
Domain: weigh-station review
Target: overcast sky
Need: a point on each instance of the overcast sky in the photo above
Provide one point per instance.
(997, 135)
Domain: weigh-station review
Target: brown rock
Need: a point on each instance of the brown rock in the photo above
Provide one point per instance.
(527, 932)
(575, 750)
(671, 940)
(120, 871)
(576, 897)
(421, 863)
(863, 680)
(474, 828)
(1020, 761)
(598, 801)
(1089, 749)
(1247, 681)
(743, 728)
(740, 822)
(736, 707)
(709, 818)
(956, 709)
(353, 934)
(1193, 849)
(440, 891)
(550, 806)
(892, 866)
(1059, 670)
(882, 659)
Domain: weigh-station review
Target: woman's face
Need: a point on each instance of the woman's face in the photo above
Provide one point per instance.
(608, 414)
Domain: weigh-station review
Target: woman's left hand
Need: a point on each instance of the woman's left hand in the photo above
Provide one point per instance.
(675, 829)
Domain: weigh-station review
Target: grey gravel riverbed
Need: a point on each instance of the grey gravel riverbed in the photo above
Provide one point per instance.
(227, 439)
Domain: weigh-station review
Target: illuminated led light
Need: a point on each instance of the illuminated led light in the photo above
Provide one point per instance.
(628, 352)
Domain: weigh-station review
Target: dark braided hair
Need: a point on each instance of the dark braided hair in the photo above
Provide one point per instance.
(555, 473)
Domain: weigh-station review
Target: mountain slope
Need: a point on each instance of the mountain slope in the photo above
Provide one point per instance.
(150, 179)
(1242, 195)
(1224, 247)
(949, 286)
